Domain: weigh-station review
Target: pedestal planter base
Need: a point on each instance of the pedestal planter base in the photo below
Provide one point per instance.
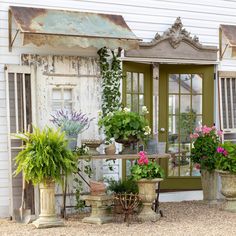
(209, 186)
(47, 217)
(99, 204)
(230, 204)
(48, 222)
(147, 192)
(228, 189)
(147, 214)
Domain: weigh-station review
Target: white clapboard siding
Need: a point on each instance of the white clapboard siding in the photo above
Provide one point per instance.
(144, 17)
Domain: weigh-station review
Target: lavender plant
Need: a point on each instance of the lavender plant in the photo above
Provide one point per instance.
(72, 123)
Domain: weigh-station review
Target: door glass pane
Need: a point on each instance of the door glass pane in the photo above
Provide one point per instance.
(128, 82)
(185, 113)
(185, 101)
(184, 162)
(197, 83)
(197, 104)
(141, 83)
(135, 103)
(128, 100)
(185, 83)
(174, 104)
(135, 82)
(141, 102)
(174, 83)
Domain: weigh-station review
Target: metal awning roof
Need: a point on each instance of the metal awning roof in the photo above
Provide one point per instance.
(53, 27)
(227, 41)
(230, 33)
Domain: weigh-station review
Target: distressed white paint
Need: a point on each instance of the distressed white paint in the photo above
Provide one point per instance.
(145, 18)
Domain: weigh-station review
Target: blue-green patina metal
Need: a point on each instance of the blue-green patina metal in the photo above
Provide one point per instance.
(45, 26)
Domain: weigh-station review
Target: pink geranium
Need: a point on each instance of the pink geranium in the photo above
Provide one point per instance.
(143, 160)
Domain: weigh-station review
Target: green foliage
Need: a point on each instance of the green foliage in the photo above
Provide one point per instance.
(86, 171)
(111, 73)
(123, 124)
(205, 145)
(145, 168)
(187, 124)
(226, 159)
(45, 156)
(123, 186)
(147, 171)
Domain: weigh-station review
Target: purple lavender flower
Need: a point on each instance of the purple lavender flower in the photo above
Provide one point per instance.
(72, 123)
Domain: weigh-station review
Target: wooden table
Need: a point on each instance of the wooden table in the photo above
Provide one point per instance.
(125, 157)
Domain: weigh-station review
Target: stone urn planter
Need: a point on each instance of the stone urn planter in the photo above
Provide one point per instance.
(47, 217)
(147, 192)
(128, 146)
(209, 186)
(228, 189)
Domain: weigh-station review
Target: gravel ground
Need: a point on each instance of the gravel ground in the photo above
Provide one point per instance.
(180, 219)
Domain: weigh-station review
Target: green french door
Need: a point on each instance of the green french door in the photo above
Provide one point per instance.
(186, 100)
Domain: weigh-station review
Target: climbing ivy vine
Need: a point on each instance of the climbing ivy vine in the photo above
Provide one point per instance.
(111, 72)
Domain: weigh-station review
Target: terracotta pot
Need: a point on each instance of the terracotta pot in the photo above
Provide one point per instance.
(97, 188)
(228, 189)
(209, 179)
(111, 149)
(130, 140)
(147, 192)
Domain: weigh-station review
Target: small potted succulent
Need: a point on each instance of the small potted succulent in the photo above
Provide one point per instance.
(125, 126)
(72, 123)
(147, 173)
(44, 160)
(203, 155)
(226, 167)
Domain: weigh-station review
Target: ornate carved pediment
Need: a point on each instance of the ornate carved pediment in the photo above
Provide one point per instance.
(176, 43)
(175, 35)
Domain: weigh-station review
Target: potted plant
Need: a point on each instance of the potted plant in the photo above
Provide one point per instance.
(205, 142)
(44, 160)
(147, 173)
(226, 166)
(119, 187)
(125, 127)
(72, 123)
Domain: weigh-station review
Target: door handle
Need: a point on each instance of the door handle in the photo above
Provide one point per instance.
(162, 130)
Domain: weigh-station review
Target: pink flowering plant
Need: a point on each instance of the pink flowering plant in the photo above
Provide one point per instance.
(146, 169)
(205, 142)
(226, 157)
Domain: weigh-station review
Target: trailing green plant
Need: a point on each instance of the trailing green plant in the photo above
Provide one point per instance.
(124, 125)
(80, 176)
(145, 168)
(226, 157)
(45, 156)
(122, 186)
(205, 142)
(111, 73)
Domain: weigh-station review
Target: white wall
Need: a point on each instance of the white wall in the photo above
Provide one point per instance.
(145, 18)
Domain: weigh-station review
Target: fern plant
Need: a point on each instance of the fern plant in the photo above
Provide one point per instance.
(45, 156)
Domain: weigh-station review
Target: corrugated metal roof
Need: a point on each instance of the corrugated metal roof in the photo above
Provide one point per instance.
(230, 33)
(86, 25)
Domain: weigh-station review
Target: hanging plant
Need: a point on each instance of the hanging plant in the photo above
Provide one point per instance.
(111, 73)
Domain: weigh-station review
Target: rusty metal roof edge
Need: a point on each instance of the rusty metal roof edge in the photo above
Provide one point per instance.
(134, 37)
(86, 36)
